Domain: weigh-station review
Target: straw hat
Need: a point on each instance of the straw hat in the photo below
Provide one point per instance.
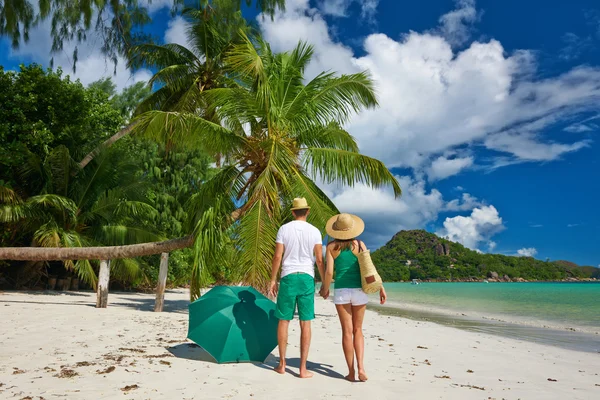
(300, 204)
(344, 226)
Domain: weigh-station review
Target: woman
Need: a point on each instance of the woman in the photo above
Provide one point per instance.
(349, 298)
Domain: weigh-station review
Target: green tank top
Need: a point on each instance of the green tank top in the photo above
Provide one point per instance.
(347, 271)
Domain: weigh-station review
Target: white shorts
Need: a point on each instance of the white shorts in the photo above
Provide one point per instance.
(356, 297)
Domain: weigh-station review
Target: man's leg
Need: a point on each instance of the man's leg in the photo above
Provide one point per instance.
(305, 335)
(286, 303)
(306, 312)
(282, 338)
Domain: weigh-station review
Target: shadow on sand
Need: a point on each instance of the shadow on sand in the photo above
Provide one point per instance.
(191, 351)
(322, 369)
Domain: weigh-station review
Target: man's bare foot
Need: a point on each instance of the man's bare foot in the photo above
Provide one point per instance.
(305, 374)
(280, 369)
(362, 376)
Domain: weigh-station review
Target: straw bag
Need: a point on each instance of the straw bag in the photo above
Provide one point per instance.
(370, 280)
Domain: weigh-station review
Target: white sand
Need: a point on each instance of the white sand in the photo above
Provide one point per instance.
(42, 334)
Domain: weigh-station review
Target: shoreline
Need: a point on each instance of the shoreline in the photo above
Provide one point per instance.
(578, 339)
(471, 315)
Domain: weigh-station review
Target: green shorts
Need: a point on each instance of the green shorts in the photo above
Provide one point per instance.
(296, 288)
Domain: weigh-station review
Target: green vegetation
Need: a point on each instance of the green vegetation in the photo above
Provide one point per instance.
(227, 98)
(431, 257)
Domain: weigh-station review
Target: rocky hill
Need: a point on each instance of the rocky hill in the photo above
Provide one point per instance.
(419, 254)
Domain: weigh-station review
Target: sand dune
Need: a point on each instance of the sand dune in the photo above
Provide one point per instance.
(59, 346)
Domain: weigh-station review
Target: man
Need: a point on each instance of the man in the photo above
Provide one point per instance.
(298, 246)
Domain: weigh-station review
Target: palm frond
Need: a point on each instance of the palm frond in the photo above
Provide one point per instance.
(121, 234)
(60, 165)
(126, 269)
(177, 77)
(86, 273)
(59, 206)
(337, 98)
(322, 208)
(331, 136)
(210, 235)
(220, 189)
(335, 165)
(187, 130)
(9, 196)
(159, 56)
(257, 232)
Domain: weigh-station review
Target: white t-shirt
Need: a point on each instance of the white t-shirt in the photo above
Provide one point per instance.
(299, 239)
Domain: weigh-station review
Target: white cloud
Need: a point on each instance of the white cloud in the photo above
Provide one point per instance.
(177, 31)
(339, 8)
(442, 167)
(456, 25)
(527, 252)
(581, 128)
(480, 226)
(575, 46)
(383, 214)
(434, 99)
(491, 245)
(336, 8)
(527, 148)
(466, 203)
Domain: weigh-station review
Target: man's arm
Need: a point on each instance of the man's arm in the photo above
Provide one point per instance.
(275, 264)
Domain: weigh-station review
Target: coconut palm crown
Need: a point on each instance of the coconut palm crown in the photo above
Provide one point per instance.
(277, 135)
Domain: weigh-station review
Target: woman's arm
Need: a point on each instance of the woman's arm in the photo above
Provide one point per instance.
(328, 270)
(382, 295)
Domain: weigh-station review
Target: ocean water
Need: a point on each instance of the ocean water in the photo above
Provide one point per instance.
(564, 314)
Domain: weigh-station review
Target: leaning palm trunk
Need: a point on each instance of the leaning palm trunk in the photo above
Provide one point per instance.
(107, 143)
(93, 253)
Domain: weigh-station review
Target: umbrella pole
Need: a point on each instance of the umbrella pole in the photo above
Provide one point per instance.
(162, 282)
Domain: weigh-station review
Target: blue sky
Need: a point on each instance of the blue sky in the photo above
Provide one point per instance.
(489, 113)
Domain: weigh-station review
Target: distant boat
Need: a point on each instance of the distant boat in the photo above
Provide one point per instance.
(415, 282)
(485, 281)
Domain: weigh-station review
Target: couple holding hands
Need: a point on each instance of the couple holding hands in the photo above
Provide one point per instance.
(298, 247)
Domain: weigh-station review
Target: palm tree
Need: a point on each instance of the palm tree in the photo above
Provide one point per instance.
(185, 72)
(79, 208)
(277, 135)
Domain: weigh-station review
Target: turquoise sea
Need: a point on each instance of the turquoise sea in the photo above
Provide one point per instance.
(564, 314)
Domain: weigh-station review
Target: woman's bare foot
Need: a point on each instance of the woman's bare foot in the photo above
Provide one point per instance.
(351, 377)
(305, 374)
(362, 376)
(280, 369)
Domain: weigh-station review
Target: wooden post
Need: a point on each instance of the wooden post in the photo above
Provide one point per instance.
(103, 279)
(162, 282)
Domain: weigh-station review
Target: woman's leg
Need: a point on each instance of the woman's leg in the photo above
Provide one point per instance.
(358, 314)
(345, 314)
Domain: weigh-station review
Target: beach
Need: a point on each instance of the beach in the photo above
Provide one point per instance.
(58, 345)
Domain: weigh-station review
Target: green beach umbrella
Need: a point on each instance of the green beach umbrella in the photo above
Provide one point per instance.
(234, 324)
